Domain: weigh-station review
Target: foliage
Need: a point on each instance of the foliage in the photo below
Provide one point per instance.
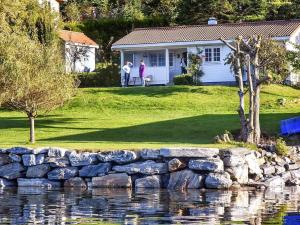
(281, 147)
(106, 75)
(195, 63)
(277, 218)
(72, 12)
(293, 57)
(184, 79)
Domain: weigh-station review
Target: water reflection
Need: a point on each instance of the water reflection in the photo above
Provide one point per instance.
(39, 206)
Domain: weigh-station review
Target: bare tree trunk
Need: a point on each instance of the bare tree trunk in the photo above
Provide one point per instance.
(32, 131)
(250, 135)
(256, 84)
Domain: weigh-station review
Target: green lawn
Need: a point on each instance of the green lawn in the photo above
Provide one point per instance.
(107, 118)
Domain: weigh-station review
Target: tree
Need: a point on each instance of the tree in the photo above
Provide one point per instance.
(194, 68)
(32, 78)
(258, 56)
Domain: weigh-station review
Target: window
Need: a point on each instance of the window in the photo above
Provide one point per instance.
(208, 56)
(212, 55)
(217, 55)
(153, 60)
(161, 59)
(128, 56)
(171, 59)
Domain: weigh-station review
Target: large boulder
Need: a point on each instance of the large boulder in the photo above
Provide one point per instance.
(7, 183)
(58, 162)
(150, 154)
(95, 170)
(253, 164)
(20, 150)
(239, 173)
(189, 152)
(63, 173)
(268, 169)
(234, 160)
(148, 182)
(120, 156)
(4, 159)
(210, 164)
(185, 179)
(234, 152)
(56, 152)
(38, 182)
(39, 159)
(38, 171)
(117, 180)
(75, 182)
(13, 157)
(176, 164)
(11, 171)
(218, 180)
(82, 159)
(28, 160)
(275, 182)
(148, 167)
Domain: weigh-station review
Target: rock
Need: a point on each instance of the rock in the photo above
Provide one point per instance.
(39, 159)
(56, 152)
(148, 182)
(268, 170)
(28, 160)
(189, 152)
(117, 180)
(233, 160)
(58, 162)
(239, 173)
(295, 174)
(150, 154)
(210, 164)
(148, 167)
(218, 180)
(120, 156)
(176, 164)
(279, 169)
(13, 157)
(63, 173)
(234, 152)
(38, 182)
(11, 171)
(43, 150)
(82, 159)
(75, 182)
(4, 159)
(253, 164)
(38, 171)
(293, 166)
(185, 179)
(292, 182)
(273, 182)
(7, 183)
(20, 150)
(261, 161)
(95, 170)
(286, 176)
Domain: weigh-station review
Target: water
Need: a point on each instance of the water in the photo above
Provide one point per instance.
(38, 206)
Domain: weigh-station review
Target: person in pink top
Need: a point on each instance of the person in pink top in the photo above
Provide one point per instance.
(142, 72)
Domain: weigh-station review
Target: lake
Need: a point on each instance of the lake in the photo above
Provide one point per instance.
(121, 206)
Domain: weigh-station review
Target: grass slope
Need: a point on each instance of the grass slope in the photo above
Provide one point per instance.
(107, 118)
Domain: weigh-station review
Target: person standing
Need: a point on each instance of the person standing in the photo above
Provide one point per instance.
(183, 65)
(127, 68)
(142, 72)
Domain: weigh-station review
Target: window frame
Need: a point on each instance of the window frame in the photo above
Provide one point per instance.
(212, 54)
(171, 59)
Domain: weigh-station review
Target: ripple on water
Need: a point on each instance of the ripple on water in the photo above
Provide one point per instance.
(148, 206)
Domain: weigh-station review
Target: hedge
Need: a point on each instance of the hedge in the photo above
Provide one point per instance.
(183, 79)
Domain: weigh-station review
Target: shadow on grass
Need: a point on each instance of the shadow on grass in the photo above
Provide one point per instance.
(149, 91)
(191, 130)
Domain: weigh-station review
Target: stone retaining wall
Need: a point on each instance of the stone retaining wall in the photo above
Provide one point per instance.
(172, 168)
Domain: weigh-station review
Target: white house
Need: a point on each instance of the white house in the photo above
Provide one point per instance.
(163, 48)
(80, 51)
(54, 4)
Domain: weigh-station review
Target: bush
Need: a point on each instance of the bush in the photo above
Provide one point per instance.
(281, 148)
(106, 75)
(183, 79)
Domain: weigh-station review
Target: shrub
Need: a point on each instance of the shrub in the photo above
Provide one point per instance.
(281, 148)
(183, 79)
(106, 75)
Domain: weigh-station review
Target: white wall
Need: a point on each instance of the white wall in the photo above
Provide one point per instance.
(53, 4)
(86, 61)
(294, 77)
(215, 71)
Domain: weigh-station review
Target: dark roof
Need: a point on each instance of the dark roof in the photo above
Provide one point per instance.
(76, 37)
(279, 28)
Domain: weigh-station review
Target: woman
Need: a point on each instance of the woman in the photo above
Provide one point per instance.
(142, 73)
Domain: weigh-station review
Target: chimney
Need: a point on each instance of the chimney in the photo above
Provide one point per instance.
(212, 21)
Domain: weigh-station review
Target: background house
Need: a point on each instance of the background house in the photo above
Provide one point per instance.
(163, 48)
(80, 51)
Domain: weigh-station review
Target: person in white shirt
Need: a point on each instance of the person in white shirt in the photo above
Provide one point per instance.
(126, 68)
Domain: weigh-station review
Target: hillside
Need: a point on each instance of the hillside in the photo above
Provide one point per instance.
(106, 118)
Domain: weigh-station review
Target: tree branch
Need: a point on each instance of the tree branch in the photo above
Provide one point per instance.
(264, 79)
(228, 45)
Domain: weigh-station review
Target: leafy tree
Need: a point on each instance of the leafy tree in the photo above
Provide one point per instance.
(32, 78)
(72, 12)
